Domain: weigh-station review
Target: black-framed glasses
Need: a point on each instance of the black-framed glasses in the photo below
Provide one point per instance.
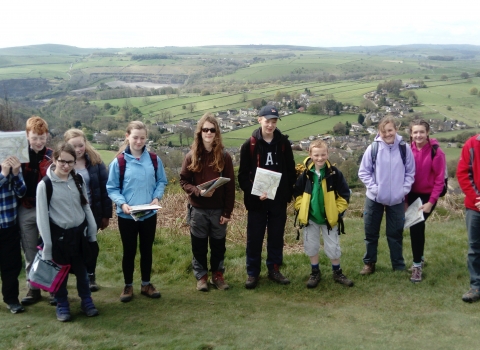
(66, 162)
(212, 130)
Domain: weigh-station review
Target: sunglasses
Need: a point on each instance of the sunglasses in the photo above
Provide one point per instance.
(212, 130)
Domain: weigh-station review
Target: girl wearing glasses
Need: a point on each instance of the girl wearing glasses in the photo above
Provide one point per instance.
(94, 172)
(140, 183)
(64, 230)
(208, 213)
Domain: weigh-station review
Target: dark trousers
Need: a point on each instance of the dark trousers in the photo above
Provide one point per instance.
(10, 263)
(417, 231)
(372, 218)
(129, 231)
(80, 271)
(272, 216)
(205, 229)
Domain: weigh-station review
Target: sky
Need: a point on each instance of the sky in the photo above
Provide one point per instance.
(145, 23)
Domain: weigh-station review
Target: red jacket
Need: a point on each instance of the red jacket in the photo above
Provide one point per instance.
(468, 171)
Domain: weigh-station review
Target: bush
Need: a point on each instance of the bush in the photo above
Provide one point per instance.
(473, 91)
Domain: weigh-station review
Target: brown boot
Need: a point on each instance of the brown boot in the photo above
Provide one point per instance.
(202, 285)
(218, 281)
(150, 291)
(368, 269)
(127, 294)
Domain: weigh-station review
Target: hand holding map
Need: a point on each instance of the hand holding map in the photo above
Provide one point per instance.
(14, 143)
(266, 181)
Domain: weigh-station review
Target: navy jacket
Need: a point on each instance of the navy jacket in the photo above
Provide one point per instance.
(101, 204)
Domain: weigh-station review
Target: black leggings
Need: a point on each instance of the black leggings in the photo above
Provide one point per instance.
(129, 230)
(417, 231)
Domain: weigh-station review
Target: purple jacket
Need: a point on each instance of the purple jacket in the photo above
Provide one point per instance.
(392, 179)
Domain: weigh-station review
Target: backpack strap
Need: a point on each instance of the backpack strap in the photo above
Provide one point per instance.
(434, 150)
(122, 165)
(49, 188)
(253, 142)
(403, 151)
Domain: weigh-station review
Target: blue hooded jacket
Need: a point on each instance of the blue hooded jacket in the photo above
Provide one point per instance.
(139, 185)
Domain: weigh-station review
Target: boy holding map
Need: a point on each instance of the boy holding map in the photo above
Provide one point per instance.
(321, 198)
(268, 149)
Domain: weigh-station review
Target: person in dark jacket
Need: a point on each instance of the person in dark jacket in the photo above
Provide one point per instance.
(269, 149)
(209, 212)
(94, 172)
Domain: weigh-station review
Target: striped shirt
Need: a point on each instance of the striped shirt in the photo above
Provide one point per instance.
(11, 187)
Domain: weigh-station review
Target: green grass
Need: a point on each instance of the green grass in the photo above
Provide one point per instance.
(385, 308)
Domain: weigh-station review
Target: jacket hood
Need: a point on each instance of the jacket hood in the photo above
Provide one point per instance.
(309, 164)
(398, 139)
(277, 135)
(51, 174)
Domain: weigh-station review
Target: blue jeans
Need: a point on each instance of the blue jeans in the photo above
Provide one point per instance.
(473, 257)
(395, 220)
(80, 271)
(272, 216)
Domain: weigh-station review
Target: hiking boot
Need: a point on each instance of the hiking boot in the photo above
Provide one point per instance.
(339, 277)
(33, 296)
(15, 308)
(314, 279)
(150, 291)
(92, 283)
(275, 275)
(218, 281)
(411, 268)
(416, 274)
(88, 307)
(127, 294)
(51, 299)
(63, 312)
(368, 269)
(471, 296)
(251, 282)
(202, 285)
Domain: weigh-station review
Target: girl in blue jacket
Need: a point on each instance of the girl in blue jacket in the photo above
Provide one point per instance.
(141, 183)
(94, 172)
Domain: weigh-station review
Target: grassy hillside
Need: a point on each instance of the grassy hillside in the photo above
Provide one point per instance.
(385, 308)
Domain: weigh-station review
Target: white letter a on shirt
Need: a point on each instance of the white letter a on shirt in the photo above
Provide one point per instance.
(269, 159)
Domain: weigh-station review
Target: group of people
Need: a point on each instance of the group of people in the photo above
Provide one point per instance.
(65, 195)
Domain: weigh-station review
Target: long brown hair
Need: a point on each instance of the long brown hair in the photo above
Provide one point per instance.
(92, 153)
(138, 125)
(198, 148)
(68, 148)
(420, 122)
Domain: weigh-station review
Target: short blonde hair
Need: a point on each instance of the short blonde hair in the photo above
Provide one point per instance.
(317, 144)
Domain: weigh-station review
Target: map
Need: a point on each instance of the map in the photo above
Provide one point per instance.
(266, 181)
(14, 143)
(413, 215)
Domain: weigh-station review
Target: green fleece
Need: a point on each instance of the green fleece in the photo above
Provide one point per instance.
(317, 205)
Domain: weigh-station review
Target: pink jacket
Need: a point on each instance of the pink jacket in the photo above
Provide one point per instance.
(429, 173)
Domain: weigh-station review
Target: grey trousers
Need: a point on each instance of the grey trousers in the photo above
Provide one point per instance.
(27, 222)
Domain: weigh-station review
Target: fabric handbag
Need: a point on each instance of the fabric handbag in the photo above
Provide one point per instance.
(46, 274)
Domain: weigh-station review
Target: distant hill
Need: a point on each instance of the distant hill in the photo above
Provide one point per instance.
(49, 49)
(425, 49)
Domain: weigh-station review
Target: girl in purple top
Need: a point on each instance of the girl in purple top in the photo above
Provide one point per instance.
(428, 184)
(388, 181)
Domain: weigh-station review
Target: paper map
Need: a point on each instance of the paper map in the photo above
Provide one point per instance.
(14, 143)
(266, 181)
